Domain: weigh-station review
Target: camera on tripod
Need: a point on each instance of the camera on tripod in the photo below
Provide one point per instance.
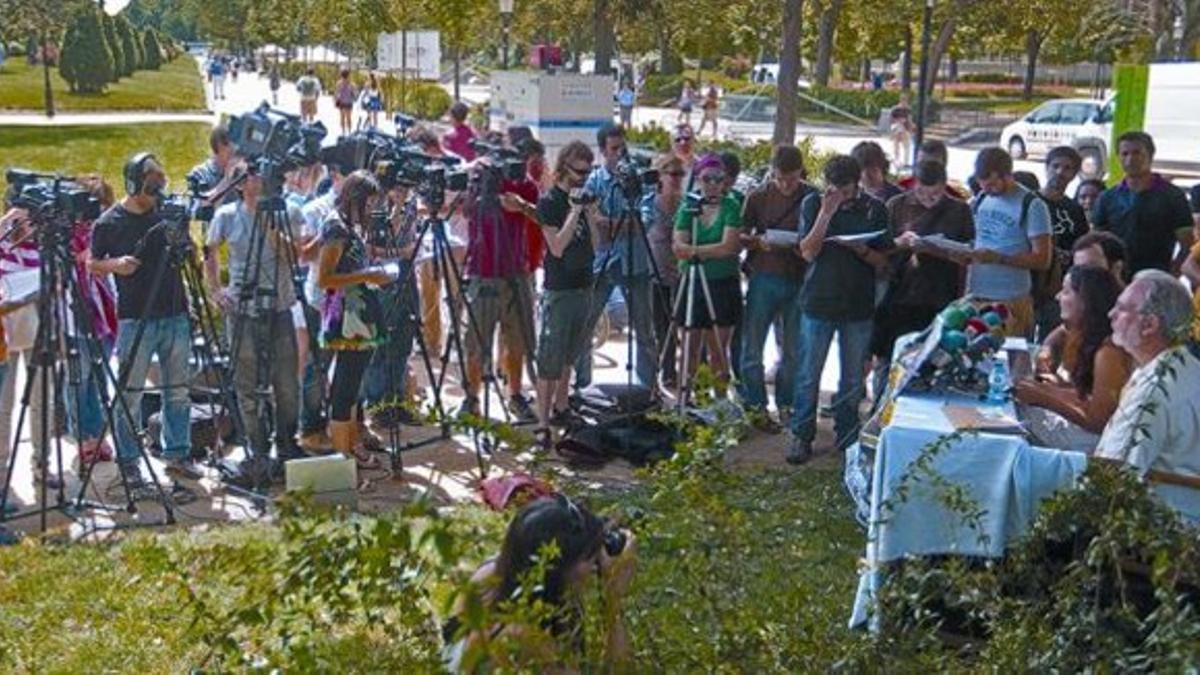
(634, 173)
(48, 197)
(275, 142)
(498, 161)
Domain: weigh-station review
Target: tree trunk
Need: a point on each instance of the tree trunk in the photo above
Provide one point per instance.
(457, 72)
(866, 72)
(668, 62)
(789, 71)
(48, 93)
(603, 35)
(953, 75)
(826, 28)
(906, 58)
(1033, 45)
(940, 45)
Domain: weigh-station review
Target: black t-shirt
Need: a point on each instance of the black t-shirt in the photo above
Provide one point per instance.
(118, 233)
(1195, 194)
(1068, 222)
(1146, 221)
(574, 269)
(839, 285)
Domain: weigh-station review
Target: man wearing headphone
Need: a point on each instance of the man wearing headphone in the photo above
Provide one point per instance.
(127, 244)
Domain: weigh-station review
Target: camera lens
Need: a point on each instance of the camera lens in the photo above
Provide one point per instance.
(614, 543)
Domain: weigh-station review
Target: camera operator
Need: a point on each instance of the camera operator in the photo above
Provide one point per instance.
(392, 241)
(566, 302)
(215, 174)
(625, 260)
(264, 318)
(589, 549)
(497, 288)
(350, 307)
(128, 243)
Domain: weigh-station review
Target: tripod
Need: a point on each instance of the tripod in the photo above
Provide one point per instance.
(686, 297)
(627, 222)
(60, 297)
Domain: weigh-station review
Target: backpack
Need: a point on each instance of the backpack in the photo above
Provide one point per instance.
(1040, 280)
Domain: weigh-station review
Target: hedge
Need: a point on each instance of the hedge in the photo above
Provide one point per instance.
(755, 158)
(86, 62)
(423, 100)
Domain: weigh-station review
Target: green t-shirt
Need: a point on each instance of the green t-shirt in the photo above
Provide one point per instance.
(729, 216)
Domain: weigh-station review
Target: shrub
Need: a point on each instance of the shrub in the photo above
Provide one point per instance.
(114, 46)
(990, 78)
(659, 88)
(129, 48)
(154, 56)
(86, 62)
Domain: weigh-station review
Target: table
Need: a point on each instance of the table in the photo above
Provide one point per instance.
(1004, 474)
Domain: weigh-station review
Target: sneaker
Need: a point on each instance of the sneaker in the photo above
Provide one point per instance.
(316, 441)
(183, 468)
(799, 452)
(521, 408)
(762, 421)
(131, 474)
(470, 406)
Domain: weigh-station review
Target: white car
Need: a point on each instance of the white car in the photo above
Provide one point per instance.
(1082, 123)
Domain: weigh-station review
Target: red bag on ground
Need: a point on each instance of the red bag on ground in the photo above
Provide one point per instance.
(517, 489)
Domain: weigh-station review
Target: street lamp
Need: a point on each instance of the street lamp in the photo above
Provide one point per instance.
(506, 12)
(926, 19)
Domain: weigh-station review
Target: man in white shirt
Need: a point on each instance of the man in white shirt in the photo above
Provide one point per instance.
(1157, 424)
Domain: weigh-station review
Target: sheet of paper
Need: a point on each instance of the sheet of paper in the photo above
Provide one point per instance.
(863, 237)
(942, 242)
(781, 237)
(993, 419)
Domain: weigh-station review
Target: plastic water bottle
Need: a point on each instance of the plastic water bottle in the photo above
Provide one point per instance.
(998, 382)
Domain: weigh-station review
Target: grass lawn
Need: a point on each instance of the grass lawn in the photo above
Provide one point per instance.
(736, 572)
(177, 86)
(103, 149)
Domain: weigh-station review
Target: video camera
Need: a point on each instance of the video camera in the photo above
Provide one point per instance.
(48, 197)
(634, 175)
(504, 162)
(275, 142)
(397, 162)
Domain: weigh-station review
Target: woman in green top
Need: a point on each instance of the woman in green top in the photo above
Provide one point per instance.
(706, 238)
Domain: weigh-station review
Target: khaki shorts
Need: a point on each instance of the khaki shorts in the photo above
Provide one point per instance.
(308, 107)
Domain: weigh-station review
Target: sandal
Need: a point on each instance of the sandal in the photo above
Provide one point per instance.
(365, 460)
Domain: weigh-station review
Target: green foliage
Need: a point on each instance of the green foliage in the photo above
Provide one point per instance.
(863, 103)
(86, 58)
(659, 89)
(175, 87)
(152, 49)
(129, 45)
(113, 41)
(755, 157)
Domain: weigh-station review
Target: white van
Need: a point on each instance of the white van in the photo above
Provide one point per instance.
(1172, 117)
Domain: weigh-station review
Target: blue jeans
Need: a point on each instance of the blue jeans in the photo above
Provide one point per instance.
(641, 321)
(854, 342)
(85, 414)
(170, 340)
(769, 296)
(389, 364)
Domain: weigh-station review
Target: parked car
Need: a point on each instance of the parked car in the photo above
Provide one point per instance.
(1169, 111)
(1085, 124)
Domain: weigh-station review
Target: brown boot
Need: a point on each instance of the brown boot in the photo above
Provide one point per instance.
(345, 441)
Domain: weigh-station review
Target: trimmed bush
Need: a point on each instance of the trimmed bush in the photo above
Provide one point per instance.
(85, 62)
(129, 50)
(114, 46)
(154, 56)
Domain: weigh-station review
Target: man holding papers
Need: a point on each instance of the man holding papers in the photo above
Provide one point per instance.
(771, 218)
(845, 236)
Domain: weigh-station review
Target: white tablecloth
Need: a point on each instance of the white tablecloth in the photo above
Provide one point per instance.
(1003, 474)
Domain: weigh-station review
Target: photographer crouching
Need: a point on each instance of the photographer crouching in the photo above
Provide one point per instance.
(588, 549)
(259, 322)
(130, 243)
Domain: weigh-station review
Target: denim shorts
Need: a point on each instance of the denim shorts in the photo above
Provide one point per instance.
(564, 333)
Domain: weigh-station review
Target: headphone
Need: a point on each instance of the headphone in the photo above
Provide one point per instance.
(135, 172)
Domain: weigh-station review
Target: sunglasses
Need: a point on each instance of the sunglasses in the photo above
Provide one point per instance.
(579, 171)
(675, 174)
(713, 178)
(680, 139)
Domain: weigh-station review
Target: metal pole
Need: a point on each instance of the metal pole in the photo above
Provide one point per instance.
(49, 93)
(922, 93)
(507, 18)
